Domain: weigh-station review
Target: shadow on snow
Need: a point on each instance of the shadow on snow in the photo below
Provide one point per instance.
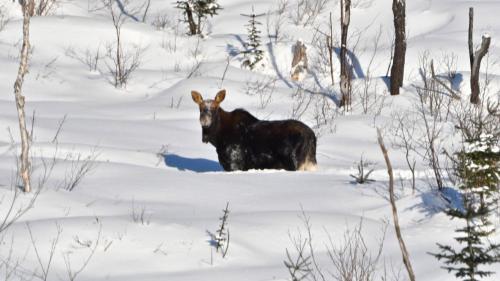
(435, 201)
(198, 165)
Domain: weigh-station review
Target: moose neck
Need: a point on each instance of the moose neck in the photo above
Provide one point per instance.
(213, 133)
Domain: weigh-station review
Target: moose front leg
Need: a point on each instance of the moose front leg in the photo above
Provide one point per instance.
(232, 157)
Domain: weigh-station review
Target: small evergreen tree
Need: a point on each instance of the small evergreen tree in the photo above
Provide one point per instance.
(222, 234)
(253, 53)
(195, 11)
(477, 167)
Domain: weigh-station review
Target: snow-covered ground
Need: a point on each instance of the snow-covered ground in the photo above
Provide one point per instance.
(152, 164)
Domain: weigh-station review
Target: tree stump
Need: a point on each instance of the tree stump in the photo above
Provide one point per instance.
(299, 62)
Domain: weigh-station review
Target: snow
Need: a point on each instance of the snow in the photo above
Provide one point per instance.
(157, 191)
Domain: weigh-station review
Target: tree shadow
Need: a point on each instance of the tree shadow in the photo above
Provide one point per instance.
(324, 92)
(241, 41)
(272, 56)
(121, 6)
(387, 82)
(355, 65)
(456, 81)
(232, 50)
(198, 165)
(356, 71)
(212, 241)
(435, 201)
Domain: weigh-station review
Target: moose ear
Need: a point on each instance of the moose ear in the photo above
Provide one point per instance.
(220, 96)
(197, 98)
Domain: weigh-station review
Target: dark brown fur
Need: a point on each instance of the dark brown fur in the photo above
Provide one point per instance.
(244, 142)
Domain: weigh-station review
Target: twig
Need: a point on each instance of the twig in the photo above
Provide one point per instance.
(452, 92)
(59, 127)
(73, 274)
(45, 269)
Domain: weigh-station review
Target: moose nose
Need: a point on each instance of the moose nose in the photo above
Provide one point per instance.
(205, 121)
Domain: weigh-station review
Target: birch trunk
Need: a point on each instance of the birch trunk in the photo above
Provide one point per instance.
(345, 83)
(27, 8)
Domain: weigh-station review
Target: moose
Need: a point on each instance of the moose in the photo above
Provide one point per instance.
(244, 142)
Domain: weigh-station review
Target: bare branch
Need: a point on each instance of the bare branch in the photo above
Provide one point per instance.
(12, 215)
(450, 90)
(80, 167)
(402, 246)
(45, 268)
(72, 273)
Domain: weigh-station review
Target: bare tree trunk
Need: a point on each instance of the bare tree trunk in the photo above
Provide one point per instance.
(402, 246)
(30, 7)
(27, 7)
(345, 79)
(119, 63)
(146, 10)
(471, 33)
(398, 66)
(193, 30)
(474, 78)
(198, 26)
(475, 59)
(329, 44)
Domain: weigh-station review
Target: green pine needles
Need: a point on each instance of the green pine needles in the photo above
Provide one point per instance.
(253, 53)
(196, 11)
(478, 168)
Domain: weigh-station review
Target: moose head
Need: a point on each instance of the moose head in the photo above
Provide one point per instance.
(209, 112)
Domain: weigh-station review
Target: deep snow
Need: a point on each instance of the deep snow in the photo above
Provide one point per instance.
(147, 143)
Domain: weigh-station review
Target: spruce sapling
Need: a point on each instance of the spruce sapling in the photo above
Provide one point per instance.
(253, 53)
(477, 167)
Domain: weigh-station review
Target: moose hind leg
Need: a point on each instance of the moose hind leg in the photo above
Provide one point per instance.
(308, 165)
(306, 154)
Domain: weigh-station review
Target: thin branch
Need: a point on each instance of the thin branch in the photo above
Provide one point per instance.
(453, 94)
(404, 251)
(73, 274)
(45, 269)
(59, 127)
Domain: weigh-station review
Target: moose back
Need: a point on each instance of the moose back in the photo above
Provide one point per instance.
(244, 142)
